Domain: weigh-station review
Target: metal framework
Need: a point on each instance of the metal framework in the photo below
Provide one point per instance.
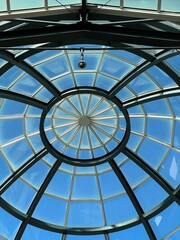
(120, 31)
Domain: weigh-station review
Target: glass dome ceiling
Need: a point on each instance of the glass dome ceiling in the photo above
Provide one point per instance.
(93, 153)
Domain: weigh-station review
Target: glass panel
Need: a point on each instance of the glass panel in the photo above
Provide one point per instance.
(44, 55)
(161, 77)
(145, 4)
(146, 192)
(85, 187)
(54, 67)
(170, 168)
(85, 214)
(104, 2)
(172, 6)
(64, 83)
(26, 85)
(38, 233)
(3, 6)
(176, 134)
(157, 107)
(84, 79)
(9, 76)
(174, 61)
(134, 141)
(107, 188)
(36, 174)
(9, 225)
(78, 237)
(175, 103)
(142, 84)
(133, 233)
(51, 209)
(152, 152)
(138, 124)
(159, 129)
(19, 195)
(115, 67)
(62, 2)
(25, 4)
(125, 94)
(23, 153)
(119, 209)
(128, 56)
(175, 235)
(5, 170)
(60, 185)
(166, 222)
(134, 174)
(104, 82)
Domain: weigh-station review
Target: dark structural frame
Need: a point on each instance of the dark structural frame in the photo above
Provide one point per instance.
(120, 33)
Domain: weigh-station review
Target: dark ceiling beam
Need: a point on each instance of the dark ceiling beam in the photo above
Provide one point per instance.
(22, 98)
(83, 12)
(153, 96)
(89, 33)
(30, 70)
(20, 171)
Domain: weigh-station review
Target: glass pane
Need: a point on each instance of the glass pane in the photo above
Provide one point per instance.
(78, 237)
(171, 6)
(146, 192)
(3, 6)
(170, 168)
(62, 2)
(25, 4)
(145, 4)
(166, 222)
(51, 209)
(133, 233)
(19, 195)
(38, 233)
(9, 225)
(119, 209)
(104, 2)
(85, 214)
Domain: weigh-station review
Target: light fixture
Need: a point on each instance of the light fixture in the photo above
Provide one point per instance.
(82, 63)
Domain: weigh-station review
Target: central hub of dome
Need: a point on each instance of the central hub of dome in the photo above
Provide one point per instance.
(83, 127)
(84, 121)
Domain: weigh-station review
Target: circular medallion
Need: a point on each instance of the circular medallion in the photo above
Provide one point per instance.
(84, 127)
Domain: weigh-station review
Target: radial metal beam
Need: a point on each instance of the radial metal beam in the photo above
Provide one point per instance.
(151, 172)
(30, 70)
(20, 171)
(133, 198)
(22, 98)
(37, 199)
(152, 97)
(90, 33)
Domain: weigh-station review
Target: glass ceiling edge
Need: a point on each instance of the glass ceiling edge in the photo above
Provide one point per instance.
(111, 11)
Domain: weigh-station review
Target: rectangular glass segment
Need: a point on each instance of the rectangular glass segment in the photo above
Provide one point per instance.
(170, 6)
(52, 3)
(142, 4)
(25, 4)
(3, 6)
(105, 2)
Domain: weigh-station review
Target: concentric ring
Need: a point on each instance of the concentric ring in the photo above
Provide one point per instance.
(86, 127)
